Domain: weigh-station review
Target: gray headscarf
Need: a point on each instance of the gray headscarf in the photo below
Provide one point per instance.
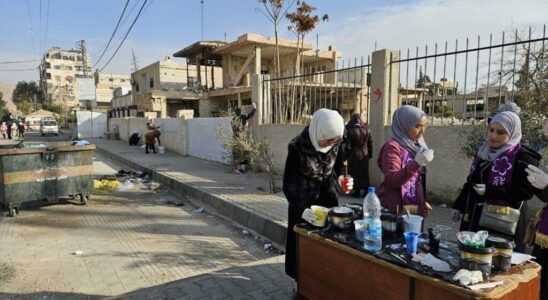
(512, 124)
(403, 120)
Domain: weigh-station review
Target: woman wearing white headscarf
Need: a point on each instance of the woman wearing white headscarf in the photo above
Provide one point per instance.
(497, 177)
(402, 160)
(308, 176)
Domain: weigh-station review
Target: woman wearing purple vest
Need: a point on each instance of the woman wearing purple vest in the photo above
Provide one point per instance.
(497, 177)
(539, 180)
(402, 160)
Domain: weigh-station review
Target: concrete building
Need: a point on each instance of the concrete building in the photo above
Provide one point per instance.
(123, 105)
(164, 87)
(255, 54)
(58, 72)
(106, 84)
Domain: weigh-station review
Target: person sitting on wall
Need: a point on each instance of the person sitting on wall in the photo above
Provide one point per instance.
(239, 122)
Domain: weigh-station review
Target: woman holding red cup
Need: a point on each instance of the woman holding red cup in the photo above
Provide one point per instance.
(309, 177)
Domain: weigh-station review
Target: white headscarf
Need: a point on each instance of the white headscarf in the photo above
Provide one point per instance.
(326, 124)
(403, 120)
(512, 124)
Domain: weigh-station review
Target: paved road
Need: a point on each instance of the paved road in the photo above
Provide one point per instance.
(134, 244)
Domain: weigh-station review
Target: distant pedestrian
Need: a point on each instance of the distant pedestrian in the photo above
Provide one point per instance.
(8, 127)
(4, 129)
(361, 150)
(21, 130)
(150, 140)
(152, 127)
(13, 130)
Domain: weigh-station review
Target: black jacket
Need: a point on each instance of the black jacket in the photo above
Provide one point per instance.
(519, 189)
(308, 180)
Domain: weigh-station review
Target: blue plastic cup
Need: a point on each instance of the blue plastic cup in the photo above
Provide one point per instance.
(411, 241)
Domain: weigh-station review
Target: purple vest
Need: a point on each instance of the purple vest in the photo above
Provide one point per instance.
(500, 172)
(409, 189)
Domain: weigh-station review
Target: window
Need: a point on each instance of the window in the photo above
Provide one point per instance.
(110, 79)
(137, 87)
(68, 68)
(122, 80)
(69, 78)
(151, 83)
(57, 78)
(191, 81)
(57, 67)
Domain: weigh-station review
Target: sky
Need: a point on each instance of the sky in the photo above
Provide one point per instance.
(28, 28)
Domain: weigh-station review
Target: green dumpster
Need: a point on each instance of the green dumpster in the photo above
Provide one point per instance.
(34, 173)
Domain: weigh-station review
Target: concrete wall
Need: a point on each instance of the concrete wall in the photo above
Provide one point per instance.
(203, 139)
(279, 137)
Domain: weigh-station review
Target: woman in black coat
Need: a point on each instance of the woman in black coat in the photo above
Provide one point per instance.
(361, 151)
(308, 176)
(497, 178)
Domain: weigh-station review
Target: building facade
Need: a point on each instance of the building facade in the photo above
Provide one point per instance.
(105, 86)
(164, 87)
(58, 72)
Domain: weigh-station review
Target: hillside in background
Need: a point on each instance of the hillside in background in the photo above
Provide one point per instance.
(7, 90)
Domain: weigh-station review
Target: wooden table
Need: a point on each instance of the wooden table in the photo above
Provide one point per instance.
(330, 270)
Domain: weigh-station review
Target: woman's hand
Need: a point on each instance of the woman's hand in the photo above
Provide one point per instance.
(537, 177)
(346, 183)
(479, 188)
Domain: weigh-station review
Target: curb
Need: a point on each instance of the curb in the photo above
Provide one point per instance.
(242, 216)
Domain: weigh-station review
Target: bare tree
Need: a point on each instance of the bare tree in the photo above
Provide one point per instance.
(273, 11)
(302, 22)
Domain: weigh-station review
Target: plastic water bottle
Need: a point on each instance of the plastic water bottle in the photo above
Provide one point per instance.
(372, 221)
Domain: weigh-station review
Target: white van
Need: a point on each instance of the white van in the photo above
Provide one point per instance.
(49, 125)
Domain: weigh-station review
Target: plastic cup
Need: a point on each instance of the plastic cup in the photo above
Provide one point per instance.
(412, 223)
(411, 241)
(359, 226)
(321, 215)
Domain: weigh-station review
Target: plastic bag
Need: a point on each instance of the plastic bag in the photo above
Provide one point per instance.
(127, 185)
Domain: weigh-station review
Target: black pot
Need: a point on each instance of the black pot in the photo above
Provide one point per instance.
(341, 221)
(357, 208)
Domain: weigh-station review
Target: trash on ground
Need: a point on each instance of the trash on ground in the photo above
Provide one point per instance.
(245, 232)
(126, 186)
(268, 246)
(78, 252)
(443, 205)
(199, 210)
(154, 185)
(81, 143)
(105, 184)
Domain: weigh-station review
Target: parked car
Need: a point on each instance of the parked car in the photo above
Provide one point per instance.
(49, 126)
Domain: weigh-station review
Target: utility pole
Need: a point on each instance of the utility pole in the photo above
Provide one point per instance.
(84, 65)
(135, 67)
(202, 3)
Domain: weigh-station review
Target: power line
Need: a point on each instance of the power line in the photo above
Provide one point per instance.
(121, 24)
(112, 35)
(18, 70)
(127, 15)
(46, 32)
(17, 61)
(127, 33)
(30, 25)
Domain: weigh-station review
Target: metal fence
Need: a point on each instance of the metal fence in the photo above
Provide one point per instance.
(460, 83)
(463, 84)
(293, 98)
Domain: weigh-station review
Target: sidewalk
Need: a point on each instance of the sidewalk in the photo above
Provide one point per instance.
(232, 196)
